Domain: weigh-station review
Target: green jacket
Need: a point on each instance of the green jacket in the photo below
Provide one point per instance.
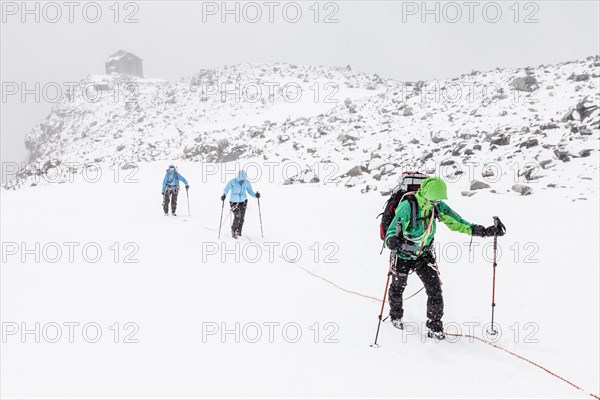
(412, 250)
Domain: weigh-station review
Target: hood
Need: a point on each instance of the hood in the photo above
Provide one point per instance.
(242, 176)
(433, 189)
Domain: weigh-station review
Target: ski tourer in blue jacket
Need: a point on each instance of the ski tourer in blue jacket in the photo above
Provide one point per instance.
(170, 188)
(238, 200)
(172, 178)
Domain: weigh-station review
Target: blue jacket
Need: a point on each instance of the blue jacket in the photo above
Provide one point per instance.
(239, 186)
(172, 179)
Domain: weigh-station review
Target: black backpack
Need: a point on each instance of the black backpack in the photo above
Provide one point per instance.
(411, 182)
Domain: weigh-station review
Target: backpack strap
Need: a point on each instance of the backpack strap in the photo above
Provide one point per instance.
(413, 209)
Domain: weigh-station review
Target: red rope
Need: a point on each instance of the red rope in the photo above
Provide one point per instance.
(524, 359)
(350, 291)
(456, 334)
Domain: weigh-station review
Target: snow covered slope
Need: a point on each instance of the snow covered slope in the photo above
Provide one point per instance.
(540, 123)
(180, 296)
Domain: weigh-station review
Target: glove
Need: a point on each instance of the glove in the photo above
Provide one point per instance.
(481, 231)
(393, 243)
(257, 195)
(187, 187)
(223, 198)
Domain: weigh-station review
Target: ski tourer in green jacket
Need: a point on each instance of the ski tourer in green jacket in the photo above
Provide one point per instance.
(415, 219)
(418, 225)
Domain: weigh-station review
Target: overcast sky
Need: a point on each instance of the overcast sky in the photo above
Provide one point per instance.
(176, 39)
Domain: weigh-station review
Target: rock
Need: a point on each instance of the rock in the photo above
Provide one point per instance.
(501, 140)
(487, 173)
(467, 193)
(585, 153)
(528, 173)
(343, 137)
(408, 111)
(525, 84)
(280, 138)
(436, 139)
(446, 162)
(127, 166)
(387, 169)
(189, 149)
(477, 147)
(548, 126)
(580, 112)
(50, 164)
(562, 155)
(585, 131)
(222, 144)
(310, 177)
(354, 171)
(456, 151)
(524, 190)
(477, 185)
(545, 164)
(375, 164)
(368, 188)
(529, 143)
(414, 141)
(578, 77)
(120, 147)
(426, 156)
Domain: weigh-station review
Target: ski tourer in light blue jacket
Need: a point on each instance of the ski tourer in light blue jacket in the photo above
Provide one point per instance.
(239, 186)
(172, 178)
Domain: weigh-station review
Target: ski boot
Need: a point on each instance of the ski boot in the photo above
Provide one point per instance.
(397, 323)
(234, 234)
(435, 330)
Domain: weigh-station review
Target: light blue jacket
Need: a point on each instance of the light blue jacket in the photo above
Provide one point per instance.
(239, 186)
(172, 179)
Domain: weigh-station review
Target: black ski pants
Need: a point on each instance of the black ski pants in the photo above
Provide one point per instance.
(170, 194)
(425, 268)
(239, 212)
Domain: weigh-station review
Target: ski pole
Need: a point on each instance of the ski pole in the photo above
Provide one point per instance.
(221, 219)
(387, 283)
(260, 218)
(187, 193)
(499, 227)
